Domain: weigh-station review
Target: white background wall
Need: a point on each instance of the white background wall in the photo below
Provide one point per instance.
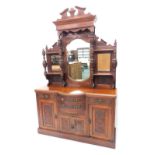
(26, 27)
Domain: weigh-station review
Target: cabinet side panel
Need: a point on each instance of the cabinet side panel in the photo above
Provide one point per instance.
(39, 111)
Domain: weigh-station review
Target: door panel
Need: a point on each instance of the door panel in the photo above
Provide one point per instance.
(48, 114)
(72, 125)
(101, 122)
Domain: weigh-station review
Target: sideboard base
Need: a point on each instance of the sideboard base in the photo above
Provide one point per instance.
(84, 139)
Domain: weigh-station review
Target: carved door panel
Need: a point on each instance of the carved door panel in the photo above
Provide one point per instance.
(101, 122)
(72, 125)
(48, 114)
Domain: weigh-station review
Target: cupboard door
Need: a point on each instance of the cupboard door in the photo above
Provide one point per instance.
(48, 114)
(102, 125)
(72, 125)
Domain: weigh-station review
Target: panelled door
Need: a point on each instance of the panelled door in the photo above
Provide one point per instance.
(48, 114)
(73, 125)
(102, 121)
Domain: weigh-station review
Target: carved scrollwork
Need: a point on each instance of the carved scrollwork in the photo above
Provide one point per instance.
(76, 24)
(114, 64)
(80, 11)
(44, 62)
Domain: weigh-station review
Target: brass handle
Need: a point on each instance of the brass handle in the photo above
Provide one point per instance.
(100, 100)
(62, 99)
(89, 121)
(46, 96)
(55, 115)
(72, 126)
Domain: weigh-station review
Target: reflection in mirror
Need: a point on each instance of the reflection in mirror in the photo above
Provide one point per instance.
(55, 63)
(78, 58)
(103, 62)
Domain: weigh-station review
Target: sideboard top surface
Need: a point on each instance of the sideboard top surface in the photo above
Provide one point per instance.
(80, 90)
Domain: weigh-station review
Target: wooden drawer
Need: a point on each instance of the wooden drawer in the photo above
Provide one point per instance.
(71, 104)
(46, 96)
(99, 100)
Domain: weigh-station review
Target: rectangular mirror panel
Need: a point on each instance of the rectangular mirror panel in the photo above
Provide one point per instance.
(103, 61)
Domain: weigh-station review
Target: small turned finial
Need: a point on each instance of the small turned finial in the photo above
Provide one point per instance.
(43, 52)
(44, 61)
(72, 12)
(115, 43)
(64, 13)
(80, 10)
(46, 48)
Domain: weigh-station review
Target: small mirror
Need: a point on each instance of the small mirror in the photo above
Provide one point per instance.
(78, 58)
(55, 67)
(103, 62)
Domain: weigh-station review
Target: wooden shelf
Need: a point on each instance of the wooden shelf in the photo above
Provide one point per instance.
(52, 53)
(54, 73)
(103, 74)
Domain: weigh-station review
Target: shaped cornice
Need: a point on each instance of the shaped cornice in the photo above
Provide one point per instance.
(75, 19)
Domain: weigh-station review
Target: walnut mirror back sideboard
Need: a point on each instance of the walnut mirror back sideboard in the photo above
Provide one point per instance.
(79, 100)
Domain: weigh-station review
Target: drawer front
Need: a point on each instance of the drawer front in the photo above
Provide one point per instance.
(74, 105)
(46, 96)
(99, 100)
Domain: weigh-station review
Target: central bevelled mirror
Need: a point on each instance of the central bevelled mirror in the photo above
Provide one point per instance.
(78, 58)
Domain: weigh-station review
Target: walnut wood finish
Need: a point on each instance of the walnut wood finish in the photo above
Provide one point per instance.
(82, 111)
(83, 114)
(79, 25)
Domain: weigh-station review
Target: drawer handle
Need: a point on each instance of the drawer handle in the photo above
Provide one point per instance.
(99, 100)
(55, 115)
(72, 126)
(46, 96)
(89, 121)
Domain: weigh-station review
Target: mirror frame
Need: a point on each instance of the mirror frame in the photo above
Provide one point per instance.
(66, 40)
(67, 70)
